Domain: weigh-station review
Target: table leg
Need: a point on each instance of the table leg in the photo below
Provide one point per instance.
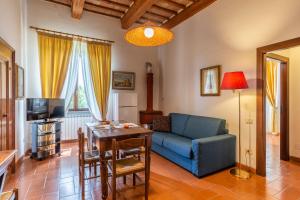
(103, 171)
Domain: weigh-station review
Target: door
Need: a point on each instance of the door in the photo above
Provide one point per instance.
(4, 128)
(284, 112)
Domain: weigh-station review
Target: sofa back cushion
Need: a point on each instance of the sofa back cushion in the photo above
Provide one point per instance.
(178, 122)
(201, 127)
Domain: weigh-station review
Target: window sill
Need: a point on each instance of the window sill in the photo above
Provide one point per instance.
(71, 114)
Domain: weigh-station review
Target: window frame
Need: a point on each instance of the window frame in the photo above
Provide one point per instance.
(75, 98)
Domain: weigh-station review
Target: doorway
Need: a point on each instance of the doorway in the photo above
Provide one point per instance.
(276, 109)
(262, 54)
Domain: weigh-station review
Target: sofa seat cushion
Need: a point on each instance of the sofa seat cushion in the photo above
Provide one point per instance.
(158, 137)
(179, 145)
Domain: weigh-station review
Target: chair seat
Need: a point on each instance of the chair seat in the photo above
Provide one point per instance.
(7, 195)
(133, 151)
(127, 165)
(95, 156)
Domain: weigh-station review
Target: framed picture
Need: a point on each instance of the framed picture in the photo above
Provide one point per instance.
(123, 80)
(210, 81)
(20, 93)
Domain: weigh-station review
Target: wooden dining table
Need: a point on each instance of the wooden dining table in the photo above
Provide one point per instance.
(103, 139)
(6, 159)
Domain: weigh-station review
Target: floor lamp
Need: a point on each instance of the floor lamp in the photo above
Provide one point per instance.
(236, 81)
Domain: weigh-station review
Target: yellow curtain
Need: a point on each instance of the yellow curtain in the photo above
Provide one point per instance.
(271, 88)
(100, 64)
(54, 55)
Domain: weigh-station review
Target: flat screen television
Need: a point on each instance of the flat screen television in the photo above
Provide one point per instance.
(44, 109)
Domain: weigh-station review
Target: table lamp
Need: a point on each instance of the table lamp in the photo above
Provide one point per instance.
(236, 81)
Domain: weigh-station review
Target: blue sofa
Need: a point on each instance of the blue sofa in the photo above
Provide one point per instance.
(199, 144)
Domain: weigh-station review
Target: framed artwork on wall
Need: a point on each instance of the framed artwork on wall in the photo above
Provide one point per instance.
(20, 82)
(123, 80)
(210, 80)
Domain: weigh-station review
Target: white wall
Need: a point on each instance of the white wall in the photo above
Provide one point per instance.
(125, 57)
(226, 33)
(11, 23)
(294, 98)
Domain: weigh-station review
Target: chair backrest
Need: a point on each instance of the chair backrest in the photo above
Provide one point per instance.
(130, 144)
(80, 134)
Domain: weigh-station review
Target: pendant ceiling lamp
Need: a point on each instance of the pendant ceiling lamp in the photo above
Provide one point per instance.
(148, 35)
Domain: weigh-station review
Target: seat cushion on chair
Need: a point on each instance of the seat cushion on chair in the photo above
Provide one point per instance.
(127, 165)
(95, 156)
(178, 144)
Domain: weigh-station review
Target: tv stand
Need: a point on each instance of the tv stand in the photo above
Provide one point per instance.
(46, 139)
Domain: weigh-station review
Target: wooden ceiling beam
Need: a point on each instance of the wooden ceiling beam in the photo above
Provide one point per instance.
(135, 12)
(120, 12)
(77, 8)
(112, 3)
(151, 19)
(174, 4)
(124, 7)
(167, 10)
(156, 16)
(187, 13)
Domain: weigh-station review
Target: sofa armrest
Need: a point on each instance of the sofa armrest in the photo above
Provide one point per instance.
(213, 153)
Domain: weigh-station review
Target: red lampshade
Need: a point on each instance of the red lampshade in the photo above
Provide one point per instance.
(234, 81)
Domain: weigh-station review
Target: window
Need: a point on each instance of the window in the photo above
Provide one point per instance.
(79, 101)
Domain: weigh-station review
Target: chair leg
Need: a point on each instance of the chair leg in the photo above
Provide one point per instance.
(16, 192)
(146, 184)
(82, 193)
(82, 188)
(114, 188)
(90, 168)
(124, 180)
(95, 169)
(133, 179)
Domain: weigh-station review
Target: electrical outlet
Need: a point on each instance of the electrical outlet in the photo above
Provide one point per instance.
(249, 121)
(297, 147)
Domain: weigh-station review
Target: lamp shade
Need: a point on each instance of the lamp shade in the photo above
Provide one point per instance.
(148, 35)
(234, 81)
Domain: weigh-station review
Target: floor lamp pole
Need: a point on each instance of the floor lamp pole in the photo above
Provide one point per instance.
(240, 150)
(238, 171)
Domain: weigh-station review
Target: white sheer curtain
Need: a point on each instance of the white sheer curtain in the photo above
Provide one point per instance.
(88, 84)
(72, 75)
(80, 51)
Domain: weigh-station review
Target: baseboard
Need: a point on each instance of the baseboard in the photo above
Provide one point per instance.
(295, 159)
(247, 168)
(21, 159)
(69, 141)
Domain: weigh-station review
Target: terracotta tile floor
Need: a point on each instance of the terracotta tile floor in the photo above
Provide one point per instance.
(57, 178)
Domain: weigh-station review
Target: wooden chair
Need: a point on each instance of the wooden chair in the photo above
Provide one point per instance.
(87, 159)
(136, 152)
(129, 165)
(10, 195)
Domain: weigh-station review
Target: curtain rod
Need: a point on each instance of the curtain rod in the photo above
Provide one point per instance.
(71, 35)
